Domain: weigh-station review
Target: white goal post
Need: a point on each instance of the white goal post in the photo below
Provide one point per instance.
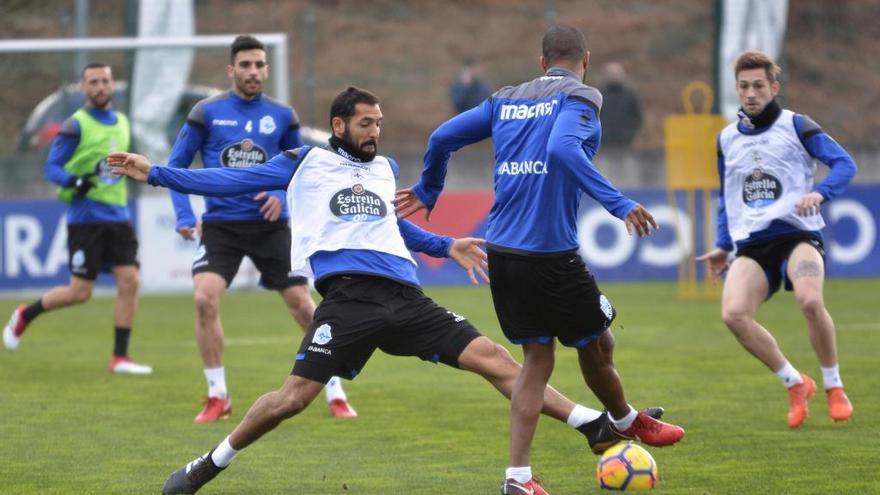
(278, 41)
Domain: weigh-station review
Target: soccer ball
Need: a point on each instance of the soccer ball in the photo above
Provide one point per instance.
(626, 466)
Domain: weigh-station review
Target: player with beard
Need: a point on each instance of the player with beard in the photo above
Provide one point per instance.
(345, 229)
(240, 128)
(769, 214)
(100, 236)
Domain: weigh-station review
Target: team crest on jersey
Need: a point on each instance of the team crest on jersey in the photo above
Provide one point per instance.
(357, 204)
(761, 189)
(243, 154)
(104, 173)
(267, 125)
(322, 335)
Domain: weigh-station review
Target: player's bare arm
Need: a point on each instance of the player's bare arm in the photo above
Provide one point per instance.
(470, 256)
(134, 166)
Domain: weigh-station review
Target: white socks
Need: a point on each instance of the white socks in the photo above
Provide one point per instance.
(625, 422)
(333, 389)
(519, 474)
(223, 454)
(216, 378)
(831, 377)
(789, 376)
(581, 415)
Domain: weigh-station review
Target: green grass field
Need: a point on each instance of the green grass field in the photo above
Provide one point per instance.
(69, 426)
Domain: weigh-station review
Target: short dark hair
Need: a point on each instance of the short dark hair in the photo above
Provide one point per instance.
(757, 60)
(244, 42)
(92, 65)
(344, 103)
(562, 42)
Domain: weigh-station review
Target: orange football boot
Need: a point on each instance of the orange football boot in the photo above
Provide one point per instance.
(839, 406)
(798, 395)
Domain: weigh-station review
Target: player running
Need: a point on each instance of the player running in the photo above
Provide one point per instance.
(100, 236)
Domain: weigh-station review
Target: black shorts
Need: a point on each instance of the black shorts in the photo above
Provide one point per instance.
(360, 313)
(98, 247)
(267, 244)
(773, 254)
(539, 298)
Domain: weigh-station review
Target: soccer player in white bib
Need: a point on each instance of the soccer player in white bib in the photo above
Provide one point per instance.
(344, 228)
(769, 217)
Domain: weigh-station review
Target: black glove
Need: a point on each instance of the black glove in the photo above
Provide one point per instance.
(81, 184)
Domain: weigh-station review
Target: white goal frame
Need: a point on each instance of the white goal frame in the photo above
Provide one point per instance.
(278, 41)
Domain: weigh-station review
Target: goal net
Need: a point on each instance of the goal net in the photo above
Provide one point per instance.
(158, 80)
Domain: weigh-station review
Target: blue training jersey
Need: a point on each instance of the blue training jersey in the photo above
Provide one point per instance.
(82, 209)
(276, 174)
(231, 132)
(820, 146)
(545, 134)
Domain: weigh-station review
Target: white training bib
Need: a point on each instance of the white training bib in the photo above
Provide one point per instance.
(764, 177)
(330, 199)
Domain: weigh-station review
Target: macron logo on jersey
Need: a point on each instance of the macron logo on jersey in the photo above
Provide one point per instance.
(536, 167)
(224, 122)
(522, 112)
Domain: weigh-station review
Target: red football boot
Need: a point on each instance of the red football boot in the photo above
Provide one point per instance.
(215, 409)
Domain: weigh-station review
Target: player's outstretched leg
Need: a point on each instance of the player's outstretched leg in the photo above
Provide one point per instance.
(600, 432)
(266, 413)
(494, 363)
(302, 307)
(193, 476)
(337, 401)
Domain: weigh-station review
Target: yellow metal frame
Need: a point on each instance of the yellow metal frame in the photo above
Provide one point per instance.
(691, 168)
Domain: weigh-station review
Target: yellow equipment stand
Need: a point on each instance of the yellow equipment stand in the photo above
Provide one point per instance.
(691, 166)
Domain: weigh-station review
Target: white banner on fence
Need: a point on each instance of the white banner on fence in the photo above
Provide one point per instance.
(747, 25)
(166, 258)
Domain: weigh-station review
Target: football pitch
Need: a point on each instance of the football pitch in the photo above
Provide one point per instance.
(69, 426)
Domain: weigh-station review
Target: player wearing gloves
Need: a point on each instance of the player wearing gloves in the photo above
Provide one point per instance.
(99, 233)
